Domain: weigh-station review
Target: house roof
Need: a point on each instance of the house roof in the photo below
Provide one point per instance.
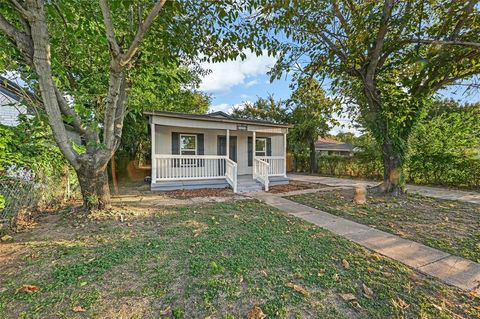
(214, 117)
(328, 144)
(14, 91)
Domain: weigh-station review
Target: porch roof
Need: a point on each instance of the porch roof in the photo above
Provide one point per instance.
(215, 117)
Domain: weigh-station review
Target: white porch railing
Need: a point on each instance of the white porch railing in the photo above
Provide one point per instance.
(260, 171)
(231, 173)
(188, 167)
(276, 165)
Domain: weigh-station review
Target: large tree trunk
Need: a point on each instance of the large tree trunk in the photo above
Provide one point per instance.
(93, 180)
(392, 170)
(313, 157)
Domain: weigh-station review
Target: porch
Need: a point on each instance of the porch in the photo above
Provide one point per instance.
(215, 151)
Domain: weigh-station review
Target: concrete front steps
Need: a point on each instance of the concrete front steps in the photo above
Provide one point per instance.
(246, 184)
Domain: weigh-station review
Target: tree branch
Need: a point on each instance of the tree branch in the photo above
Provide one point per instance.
(461, 21)
(107, 20)
(374, 54)
(474, 45)
(22, 41)
(20, 8)
(141, 32)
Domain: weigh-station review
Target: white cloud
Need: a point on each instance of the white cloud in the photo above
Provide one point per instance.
(226, 75)
(244, 96)
(251, 83)
(227, 108)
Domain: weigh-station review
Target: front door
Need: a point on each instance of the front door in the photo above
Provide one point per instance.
(222, 147)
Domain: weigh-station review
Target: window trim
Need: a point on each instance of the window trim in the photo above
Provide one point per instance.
(187, 149)
(265, 146)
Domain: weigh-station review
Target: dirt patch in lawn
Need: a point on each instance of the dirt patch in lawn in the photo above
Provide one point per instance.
(450, 226)
(295, 186)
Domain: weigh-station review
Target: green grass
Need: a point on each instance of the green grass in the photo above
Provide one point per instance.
(450, 226)
(215, 260)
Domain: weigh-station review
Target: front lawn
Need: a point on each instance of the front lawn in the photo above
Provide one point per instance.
(450, 226)
(218, 260)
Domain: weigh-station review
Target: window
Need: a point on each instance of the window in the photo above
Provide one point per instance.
(188, 144)
(260, 146)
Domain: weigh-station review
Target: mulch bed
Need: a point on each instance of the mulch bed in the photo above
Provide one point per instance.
(203, 192)
(295, 186)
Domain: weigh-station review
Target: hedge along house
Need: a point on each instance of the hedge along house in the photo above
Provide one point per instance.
(216, 151)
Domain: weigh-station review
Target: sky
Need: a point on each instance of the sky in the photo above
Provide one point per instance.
(232, 83)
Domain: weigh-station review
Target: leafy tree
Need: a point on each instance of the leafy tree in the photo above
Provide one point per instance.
(267, 109)
(308, 109)
(388, 57)
(85, 58)
(312, 115)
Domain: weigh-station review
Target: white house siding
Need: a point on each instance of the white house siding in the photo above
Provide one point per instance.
(10, 109)
(163, 142)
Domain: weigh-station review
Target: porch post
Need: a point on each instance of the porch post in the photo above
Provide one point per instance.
(228, 143)
(285, 154)
(154, 161)
(254, 141)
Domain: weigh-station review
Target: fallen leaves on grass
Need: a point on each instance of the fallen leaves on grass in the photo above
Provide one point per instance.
(28, 289)
(299, 289)
(256, 313)
(79, 309)
(166, 311)
(6, 238)
(348, 297)
(400, 303)
(367, 291)
(345, 264)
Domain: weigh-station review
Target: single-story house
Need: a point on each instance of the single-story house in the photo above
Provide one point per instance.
(328, 146)
(216, 151)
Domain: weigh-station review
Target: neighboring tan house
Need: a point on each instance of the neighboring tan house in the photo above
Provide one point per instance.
(328, 146)
(216, 151)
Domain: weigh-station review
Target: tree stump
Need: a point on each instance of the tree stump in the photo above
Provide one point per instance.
(360, 196)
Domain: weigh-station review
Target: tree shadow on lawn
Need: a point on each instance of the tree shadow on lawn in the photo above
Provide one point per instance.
(214, 260)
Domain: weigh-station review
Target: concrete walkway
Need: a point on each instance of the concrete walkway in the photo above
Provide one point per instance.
(453, 270)
(435, 192)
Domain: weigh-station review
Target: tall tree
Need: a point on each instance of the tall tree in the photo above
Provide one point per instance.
(267, 109)
(312, 115)
(388, 56)
(84, 57)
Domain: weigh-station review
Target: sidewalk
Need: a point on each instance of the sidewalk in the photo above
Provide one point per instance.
(435, 192)
(453, 270)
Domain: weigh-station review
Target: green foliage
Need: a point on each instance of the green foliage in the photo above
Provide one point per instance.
(183, 34)
(380, 57)
(266, 109)
(308, 109)
(312, 111)
(445, 148)
(29, 147)
(173, 89)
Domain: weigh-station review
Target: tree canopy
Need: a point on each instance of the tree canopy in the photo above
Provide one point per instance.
(386, 57)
